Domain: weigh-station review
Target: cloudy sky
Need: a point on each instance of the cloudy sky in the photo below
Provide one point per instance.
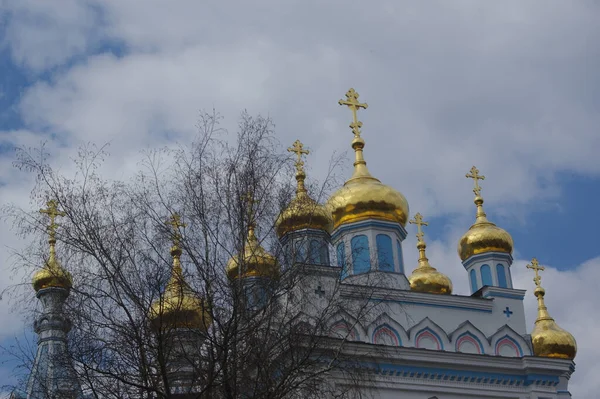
(512, 87)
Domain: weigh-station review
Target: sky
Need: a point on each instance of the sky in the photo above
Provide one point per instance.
(512, 87)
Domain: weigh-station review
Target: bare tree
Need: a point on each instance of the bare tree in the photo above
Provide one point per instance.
(266, 338)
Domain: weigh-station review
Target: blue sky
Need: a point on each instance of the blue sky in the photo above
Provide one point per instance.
(511, 87)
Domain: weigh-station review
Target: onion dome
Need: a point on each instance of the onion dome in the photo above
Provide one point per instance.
(179, 306)
(52, 274)
(483, 236)
(253, 261)
(549, 340)
(426, 278)
(303, 212)
(363, 196)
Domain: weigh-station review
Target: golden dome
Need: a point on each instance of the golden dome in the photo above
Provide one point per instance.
(52, 274)
(254, 261)
(426, 278)
(483, 236)
(303, 212)
(179, 306)
(549, 340)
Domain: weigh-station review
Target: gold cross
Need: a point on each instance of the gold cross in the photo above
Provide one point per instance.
(249, 198)
(476, 177)
(298, 149)
(418, 220)
(175, 222)
(535, 266)
(352, 103)
(52, 211)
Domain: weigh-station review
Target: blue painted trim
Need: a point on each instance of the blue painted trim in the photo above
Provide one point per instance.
(511, 339)
(392, 329)
(470, 334)
(432, 333)
(433, 305)
(488, 255)
(503, 295)
(369, 223)
(430, 373)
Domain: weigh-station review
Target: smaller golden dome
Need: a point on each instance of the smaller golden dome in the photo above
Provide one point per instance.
(483, 236)
(426, 278)
(52, 274)
(253, 262)
(548, 339)
(179, 306)
(303, 212)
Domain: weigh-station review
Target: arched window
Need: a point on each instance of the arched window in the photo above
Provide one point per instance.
(341, 258)
(300, 252)
(315, 252)
(486, 275)
(400, 257)
(385, 255)
(473, 278)
(361, 257)
(501, 276)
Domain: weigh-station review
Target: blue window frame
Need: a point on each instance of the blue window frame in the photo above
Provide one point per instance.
(385, 256)
(501, 276)
(400, 257)
(361, 256)
(341, 258)
(486, 275)
(473, 278)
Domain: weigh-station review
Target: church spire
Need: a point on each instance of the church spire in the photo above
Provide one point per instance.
(549, 340)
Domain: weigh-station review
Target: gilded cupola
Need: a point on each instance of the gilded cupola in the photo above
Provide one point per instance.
(303, 212)
(483, 236)
(426, 278)
(549, 340)
(363, 196)
(179, 306)
(254, 260)
(52, 274)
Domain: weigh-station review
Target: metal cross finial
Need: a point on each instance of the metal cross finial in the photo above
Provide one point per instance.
(52, 211)
(352, 103)
(535, 266)
(476, 177)
(418, 220)
(298, 149)
(249, 198)
(175, 222)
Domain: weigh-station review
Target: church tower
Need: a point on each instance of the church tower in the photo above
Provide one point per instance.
(369, 219)
(180, 320)
(304, 227)
(485, 249)
(53, 375)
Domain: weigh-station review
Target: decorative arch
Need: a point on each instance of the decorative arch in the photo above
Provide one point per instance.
(426, 334)
(506, 342)
(386, 335)
(469, 339)
(343, 325)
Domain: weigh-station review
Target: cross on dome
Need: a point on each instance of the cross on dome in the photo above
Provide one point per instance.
(52, 211)
(298, 149)
(476, 177)
(535, 266)
(418, 220)
(176, 223)
(352, 103)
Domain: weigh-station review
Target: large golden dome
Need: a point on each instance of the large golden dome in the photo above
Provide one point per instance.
(483, 236)
(365, 197)
(548, 339)
(426, 278)
(52, 274)
(255, 261)
(179, 306)
(303, 212)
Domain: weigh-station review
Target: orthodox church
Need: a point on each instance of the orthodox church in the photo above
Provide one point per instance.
(431, 343)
